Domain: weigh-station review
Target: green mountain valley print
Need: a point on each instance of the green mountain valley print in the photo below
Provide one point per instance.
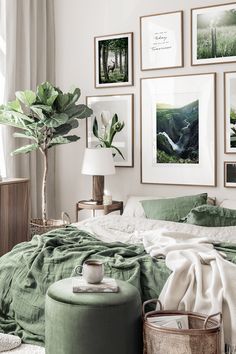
(216, 34)
(177, 138)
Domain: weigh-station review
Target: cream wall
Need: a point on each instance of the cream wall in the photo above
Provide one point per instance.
(77, 22)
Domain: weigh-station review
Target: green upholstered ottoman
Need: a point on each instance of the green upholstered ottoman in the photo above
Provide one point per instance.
(92, 323)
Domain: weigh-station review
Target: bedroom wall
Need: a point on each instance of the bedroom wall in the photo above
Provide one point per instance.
(77, 22)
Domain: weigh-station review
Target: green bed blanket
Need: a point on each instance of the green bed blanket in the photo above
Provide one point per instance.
(28, 270)
(31, 267)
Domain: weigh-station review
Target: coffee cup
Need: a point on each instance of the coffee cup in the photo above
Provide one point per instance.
(92, 271)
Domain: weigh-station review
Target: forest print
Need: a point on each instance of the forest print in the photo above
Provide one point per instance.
(216, 34)
(177, 133)
(232, 113)
(113, 60)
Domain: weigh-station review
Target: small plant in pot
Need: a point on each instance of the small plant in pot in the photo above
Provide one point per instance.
(45, 117)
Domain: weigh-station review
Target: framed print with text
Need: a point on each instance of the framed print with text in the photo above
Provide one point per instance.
(230, 112)
(104, 108)
(214, 34)
(161, 41)
(178, 130)
(113, 60)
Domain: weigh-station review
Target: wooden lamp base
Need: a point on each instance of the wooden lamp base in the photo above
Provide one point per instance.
(98, 189)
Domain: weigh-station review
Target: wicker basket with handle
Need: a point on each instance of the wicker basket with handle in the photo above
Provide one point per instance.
(38, 228)
(202, 337)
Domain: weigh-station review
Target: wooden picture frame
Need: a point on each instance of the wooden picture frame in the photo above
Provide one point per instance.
(117, 51)
(123, 106)
(186, 163)
(229, 170)
(161, 49)
(230, 111)
(210, 27)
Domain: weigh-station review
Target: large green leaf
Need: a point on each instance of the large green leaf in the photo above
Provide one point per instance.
(24, 136)
(46, 94)
(66, 128)
(62, 130)
(74, 123)
(63, 140)
(56, 120)
(80, 111)
(25, 149)
(13, 119)
(27, 97)
(38, 112)
(14, 106)
(43, 107)
(73, 97)
(62, 101)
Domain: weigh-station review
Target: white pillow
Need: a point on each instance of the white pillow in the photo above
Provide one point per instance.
(229, 204)
(133, 206)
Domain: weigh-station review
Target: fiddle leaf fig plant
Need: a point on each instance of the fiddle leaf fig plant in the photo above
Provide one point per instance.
(109, 128)
(45, 117)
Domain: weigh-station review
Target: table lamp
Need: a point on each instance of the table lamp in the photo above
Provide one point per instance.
(98, 163)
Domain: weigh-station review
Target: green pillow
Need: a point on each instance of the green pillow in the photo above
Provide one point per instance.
(209, 215)
(172, 209)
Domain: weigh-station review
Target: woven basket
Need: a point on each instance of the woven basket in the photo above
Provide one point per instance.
(202, 337)
(38, 228)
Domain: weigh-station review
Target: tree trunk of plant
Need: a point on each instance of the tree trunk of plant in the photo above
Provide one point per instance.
(44, 182)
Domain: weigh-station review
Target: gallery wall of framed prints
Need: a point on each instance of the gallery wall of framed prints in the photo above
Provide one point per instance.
(177, 112)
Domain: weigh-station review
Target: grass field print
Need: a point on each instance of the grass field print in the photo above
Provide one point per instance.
(216, 33)
(113, 60)
(177, 132)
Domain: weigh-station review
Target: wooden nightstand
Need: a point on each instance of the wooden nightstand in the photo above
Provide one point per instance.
(89, 205)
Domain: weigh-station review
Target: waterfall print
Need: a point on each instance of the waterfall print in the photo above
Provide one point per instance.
(177, 138)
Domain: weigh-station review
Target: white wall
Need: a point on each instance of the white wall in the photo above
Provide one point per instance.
(77, 22)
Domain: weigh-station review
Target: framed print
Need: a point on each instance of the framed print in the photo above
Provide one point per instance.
(161, 41)
(178, 130)
(104, 108)
(214, 34)
(230, 173)
(230, 112)
(114, 60)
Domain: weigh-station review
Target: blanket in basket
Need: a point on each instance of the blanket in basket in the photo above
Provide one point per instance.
(202, 280)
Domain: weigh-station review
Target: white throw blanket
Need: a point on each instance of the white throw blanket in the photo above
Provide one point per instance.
(201, 280)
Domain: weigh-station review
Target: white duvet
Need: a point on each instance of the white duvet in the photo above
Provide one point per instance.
(112, 228)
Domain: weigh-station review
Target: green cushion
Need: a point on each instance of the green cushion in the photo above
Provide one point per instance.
(92, 323)
(172, 209)
(213, 216)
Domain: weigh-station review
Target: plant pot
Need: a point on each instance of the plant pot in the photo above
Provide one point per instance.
(38, 228)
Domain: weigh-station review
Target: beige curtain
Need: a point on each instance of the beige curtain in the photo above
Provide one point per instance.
(29, 61)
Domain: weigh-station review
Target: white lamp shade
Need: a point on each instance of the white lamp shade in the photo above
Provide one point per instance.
(98, 162)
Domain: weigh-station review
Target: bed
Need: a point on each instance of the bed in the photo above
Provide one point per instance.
(27, 271)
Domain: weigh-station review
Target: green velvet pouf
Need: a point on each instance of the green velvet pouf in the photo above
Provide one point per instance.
(92, 323)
